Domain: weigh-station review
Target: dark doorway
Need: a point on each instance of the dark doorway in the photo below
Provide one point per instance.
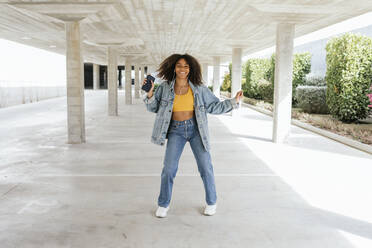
(131, 75)
(103, 76)
(121, 72)
(88, 76)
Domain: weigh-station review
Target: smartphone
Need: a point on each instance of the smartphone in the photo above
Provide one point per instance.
(147, 86)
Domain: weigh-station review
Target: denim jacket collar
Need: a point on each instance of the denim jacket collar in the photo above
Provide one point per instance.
(193, 87)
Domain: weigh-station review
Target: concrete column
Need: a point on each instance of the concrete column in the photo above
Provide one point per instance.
(283, 82)
(75, 84)
(236, 77)
(236, 74)
(128, 81)
(112, 67)
(205, 73)
(95, 77)
(136, 81)
(216, 76)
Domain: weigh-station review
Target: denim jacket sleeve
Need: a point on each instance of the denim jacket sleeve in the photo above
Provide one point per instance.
(213, 105)
(152, 103)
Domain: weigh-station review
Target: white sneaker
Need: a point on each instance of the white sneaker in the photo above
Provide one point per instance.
(161, 212)
(210, 209)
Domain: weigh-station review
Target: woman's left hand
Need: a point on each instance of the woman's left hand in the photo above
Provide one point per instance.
(238, 95)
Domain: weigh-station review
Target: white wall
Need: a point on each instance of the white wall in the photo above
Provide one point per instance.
(10, 96)
(29, 74)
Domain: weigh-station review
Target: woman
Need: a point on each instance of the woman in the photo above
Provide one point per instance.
(181, 105)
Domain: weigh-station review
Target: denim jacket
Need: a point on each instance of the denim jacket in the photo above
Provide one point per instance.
(205, 102)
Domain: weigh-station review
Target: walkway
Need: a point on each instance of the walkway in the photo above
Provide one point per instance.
(313, 192)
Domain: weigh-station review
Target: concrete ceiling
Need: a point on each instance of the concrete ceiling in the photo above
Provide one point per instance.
(150, 30)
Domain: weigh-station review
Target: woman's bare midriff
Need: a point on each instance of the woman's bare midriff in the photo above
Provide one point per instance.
(182, 115)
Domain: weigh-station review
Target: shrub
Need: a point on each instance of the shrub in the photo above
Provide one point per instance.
(254, 72)
(315, 81)
(301, 67)
(312, 99)
(226, 84)
(266, 90)
(270, 73)
(349, 76)
(211, 87)
(254, 90)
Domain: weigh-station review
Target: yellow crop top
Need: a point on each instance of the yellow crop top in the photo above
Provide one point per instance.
(184, 102)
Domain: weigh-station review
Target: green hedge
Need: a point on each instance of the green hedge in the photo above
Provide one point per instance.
(254, 72)
(312, 99)
(316, 81)
(266, 91)
(270, 73)
(301, 67)
(226, 84)
(259, 74)
(349, 76)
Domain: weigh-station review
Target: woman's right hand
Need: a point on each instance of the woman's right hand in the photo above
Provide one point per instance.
(150, 93)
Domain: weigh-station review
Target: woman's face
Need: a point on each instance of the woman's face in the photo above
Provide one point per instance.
(182, 69)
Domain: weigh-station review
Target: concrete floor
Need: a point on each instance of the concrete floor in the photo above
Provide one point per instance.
(312, 192)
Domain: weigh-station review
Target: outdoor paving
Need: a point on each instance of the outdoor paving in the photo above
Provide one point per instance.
(311, 192)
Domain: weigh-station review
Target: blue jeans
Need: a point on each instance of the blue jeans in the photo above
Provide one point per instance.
(178, 134)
